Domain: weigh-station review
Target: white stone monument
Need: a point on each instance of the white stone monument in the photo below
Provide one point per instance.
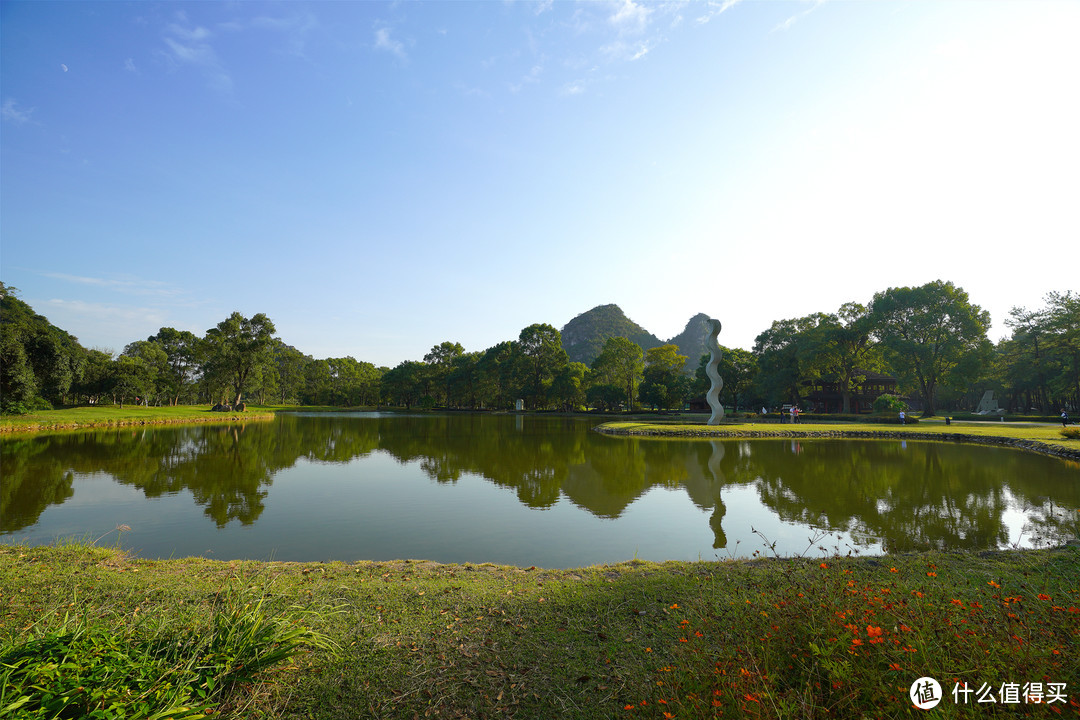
(716, 383)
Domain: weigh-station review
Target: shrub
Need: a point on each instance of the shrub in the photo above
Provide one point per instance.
(1072, 433)
(889, 403)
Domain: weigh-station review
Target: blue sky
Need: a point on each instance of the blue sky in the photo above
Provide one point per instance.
(380, 177)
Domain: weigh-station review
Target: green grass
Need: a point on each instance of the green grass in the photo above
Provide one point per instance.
(931, 429)
(810, 638)
(113, 415)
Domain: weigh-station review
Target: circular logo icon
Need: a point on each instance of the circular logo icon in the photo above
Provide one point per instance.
(925, 693)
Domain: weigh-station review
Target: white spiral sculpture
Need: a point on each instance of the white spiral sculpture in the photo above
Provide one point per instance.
(716, 383)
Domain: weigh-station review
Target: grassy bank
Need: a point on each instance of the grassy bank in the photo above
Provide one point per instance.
(809, 638)
(1031, 436)
(92, 416)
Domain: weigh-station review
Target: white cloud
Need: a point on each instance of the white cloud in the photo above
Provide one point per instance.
(101, 324)
(577, 87)
(129, 65)
(384, 42)
(630, 17)
(11, 112)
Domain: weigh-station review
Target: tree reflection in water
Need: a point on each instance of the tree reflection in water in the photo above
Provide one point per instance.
(906, 496)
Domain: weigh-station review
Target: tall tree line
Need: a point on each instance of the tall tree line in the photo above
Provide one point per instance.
(931, 338)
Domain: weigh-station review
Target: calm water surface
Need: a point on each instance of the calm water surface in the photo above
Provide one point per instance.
(518, 490)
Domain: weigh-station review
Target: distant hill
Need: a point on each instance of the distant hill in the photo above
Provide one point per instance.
(691, 340)
(583, 337)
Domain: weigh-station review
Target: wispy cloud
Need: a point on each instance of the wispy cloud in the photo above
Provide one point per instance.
(533, 76)
(386, 43)
(190, 46)
(296, 29)
(715, 8)
(11, 112)
(133, 286)
(799, 16)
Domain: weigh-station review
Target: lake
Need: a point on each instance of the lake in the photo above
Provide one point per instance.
(517, 489)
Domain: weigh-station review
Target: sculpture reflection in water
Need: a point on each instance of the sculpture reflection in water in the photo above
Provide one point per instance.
(927, 495)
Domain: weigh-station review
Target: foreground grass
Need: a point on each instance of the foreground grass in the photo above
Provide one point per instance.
(770, 638)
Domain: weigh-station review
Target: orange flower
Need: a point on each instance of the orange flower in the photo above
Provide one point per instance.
(823, 565)
(1044, 596)
(668, 715)
(954, 601)
(894, 570)
(856, 642)
(993, 584)
(628, 707)
(751, 698)
(675, 606)
(931, 574)
(894, 666)
(873, 631)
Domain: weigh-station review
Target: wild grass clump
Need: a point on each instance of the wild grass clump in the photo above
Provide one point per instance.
(159, 667)
(1072, 433)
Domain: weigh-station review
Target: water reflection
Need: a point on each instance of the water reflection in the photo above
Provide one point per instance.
(901, 496)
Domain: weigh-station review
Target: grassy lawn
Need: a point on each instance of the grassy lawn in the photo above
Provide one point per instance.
(771, 638)
(113, 415)
(932, 429)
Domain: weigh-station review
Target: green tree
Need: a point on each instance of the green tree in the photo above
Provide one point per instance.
(664, 385)
(154, 375)
(290, 365)
(403, 384)
(932, 334)
(184, 353)
(463, 383)
(541, 356)
(239, 346)
(440, 363)
(739, 369)
(55, 358)
(842, 347)
(131, 377)
(568, 386)
(497, 379)
(788, 357)
(1063, 327)
(620, 363)
(97, 378)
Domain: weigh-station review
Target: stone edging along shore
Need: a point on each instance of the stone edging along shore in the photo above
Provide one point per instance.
(1017, 443)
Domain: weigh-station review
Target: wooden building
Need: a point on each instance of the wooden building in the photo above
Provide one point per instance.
(825, 396)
